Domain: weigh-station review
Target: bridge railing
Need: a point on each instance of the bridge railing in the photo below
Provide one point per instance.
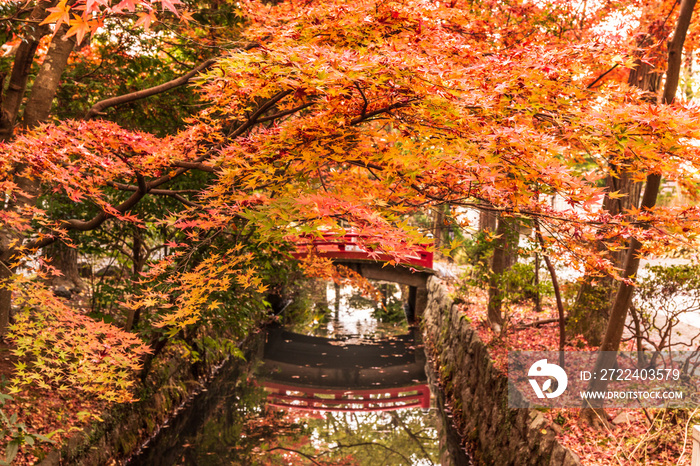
(316, 399)
(352, 246)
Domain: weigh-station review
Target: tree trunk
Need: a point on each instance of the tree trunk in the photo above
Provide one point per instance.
(21, 67)
(439, 226)
(139, 257)
(504, 256)
(487, 220)
(5, 299)
(557, 294)
(589, 314)
(10, 103)
(538, 299)
(688, 76)
(46, 83)
(36, 110)
(646, 77)
(65, 260)
(607, 354)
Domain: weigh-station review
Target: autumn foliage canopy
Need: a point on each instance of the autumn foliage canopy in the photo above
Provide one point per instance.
(336, 114)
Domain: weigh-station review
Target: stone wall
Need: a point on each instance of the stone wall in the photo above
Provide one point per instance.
(478, 394)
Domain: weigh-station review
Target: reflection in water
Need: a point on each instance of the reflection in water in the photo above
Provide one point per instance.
(230, 424)
(306, 372)
(355, 319)
(317, 400)
(352, 319)
(329, 363)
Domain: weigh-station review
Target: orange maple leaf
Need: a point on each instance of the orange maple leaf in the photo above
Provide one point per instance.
(78, 28)
(145, 20)
(59, 14)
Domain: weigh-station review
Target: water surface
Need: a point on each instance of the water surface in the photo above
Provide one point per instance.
(347, 390)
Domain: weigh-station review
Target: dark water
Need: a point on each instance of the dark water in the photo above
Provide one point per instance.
(350, 398)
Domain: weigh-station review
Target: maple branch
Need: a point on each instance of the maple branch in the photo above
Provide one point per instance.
(670, 12)
(100, 218)
(143, 187)
(250, 122)
(601, 76)
(368, 165)
(130, 187)
(364, 107)
(462, 202)
(284, 113)
(175, 194)
(21, 10)
(142, 184)
(379, 111)
(181, 199)
(255, 117)
(202, 246)
(174, 59)
(195, 165)
(97, 220)
(308, 457)
(99, 108)
(484, 207)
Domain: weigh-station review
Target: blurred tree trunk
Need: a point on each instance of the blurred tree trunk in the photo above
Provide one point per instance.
(5, 300)
(439, 226)
(139, 256)
(504, 256)
(487, 220)
(36, 110)
(589, 314)
(609, 347)
(65, 260)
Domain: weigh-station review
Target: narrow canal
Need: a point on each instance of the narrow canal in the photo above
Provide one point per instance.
(343, 386)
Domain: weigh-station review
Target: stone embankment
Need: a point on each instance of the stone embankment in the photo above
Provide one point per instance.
(477, 393)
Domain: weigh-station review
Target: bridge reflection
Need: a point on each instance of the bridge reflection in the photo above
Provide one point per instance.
(326, 374)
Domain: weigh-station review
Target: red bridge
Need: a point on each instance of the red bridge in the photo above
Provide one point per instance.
(353, 247)
(354, 251)
(316, 399)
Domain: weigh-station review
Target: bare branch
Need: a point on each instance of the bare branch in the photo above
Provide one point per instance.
(537, 323)
(101, 106)
(596, 80)
(308, 457)
(175, 194)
